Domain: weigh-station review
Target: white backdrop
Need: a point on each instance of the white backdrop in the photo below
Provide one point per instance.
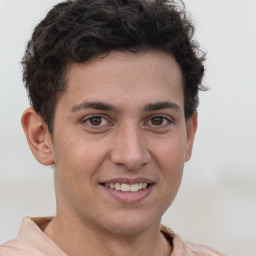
(217, 201)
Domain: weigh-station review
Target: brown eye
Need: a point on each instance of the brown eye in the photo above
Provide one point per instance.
(158, 120)
(96, 123)
(95, 120)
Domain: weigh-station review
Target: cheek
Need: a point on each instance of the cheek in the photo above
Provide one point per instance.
(172, 164)
(170, 159)
(77, 160)
(171, 151)
(74, 170)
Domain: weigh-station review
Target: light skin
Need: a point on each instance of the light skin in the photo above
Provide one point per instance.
(120, 120)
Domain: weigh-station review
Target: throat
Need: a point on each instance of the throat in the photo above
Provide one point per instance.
(76, 243)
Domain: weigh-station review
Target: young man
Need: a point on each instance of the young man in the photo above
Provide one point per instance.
(113, 86)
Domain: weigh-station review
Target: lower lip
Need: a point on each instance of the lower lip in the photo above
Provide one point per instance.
(129, 197)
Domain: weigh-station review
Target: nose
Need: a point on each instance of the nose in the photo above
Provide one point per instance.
(129, 149)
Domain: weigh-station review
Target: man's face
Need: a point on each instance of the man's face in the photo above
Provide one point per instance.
(120, 141)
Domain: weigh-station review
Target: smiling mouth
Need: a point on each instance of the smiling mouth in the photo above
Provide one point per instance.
(127, 187)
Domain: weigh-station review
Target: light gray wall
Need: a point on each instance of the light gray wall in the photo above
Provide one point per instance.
(217, 201)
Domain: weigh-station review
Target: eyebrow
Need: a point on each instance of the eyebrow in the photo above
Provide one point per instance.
(108, 107)
(94, 105)
(161, 105)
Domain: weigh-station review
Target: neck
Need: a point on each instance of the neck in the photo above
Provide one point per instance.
(77, 238)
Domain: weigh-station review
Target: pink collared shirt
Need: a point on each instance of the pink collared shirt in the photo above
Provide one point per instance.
(32, 241)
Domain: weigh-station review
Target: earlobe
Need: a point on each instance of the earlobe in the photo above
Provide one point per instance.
(38, 136)
(191, 131)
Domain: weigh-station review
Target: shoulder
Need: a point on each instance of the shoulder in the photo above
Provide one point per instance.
(202, 250)
(31, 240)
(184, 248)
(17, 247)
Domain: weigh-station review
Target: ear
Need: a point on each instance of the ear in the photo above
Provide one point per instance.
(191, 131)
(38, 136)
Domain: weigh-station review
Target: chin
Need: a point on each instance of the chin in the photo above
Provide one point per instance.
(131, 224)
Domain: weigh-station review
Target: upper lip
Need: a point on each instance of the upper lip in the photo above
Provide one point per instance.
(130, 181)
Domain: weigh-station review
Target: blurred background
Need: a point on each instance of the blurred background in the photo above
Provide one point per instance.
(216, 204)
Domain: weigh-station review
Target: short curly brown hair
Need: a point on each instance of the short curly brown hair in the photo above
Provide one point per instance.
(78, 30)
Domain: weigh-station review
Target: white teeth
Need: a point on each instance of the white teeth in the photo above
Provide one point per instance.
(126, 187)
(117, 186)
(134, 187)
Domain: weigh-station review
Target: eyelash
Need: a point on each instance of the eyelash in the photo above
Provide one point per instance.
(164, 119)
(89, 118)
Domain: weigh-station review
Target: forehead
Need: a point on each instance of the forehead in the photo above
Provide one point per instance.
(124, 77)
